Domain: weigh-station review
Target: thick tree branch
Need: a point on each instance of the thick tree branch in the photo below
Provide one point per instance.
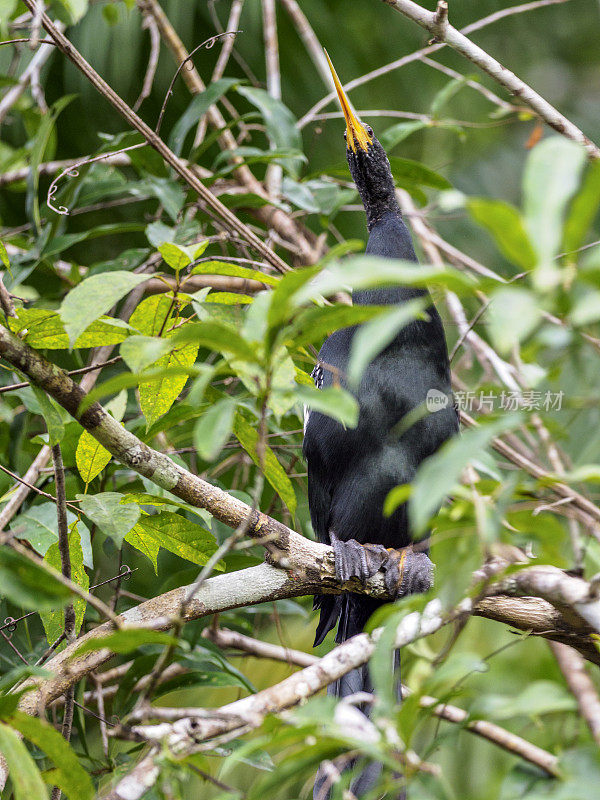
(436, 22)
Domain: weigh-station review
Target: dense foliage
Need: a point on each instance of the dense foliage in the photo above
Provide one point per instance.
(209, 361)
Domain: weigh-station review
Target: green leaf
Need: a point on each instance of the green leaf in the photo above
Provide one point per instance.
(273, 471)
(27, 584)
(219, 337)
(395, 498)
(407, 171)
(367, 272)
(214, 428)
(446, 94)
(106, 511)
(398, 133)
(235, 271)
(439, 473)
(512, 315)
(27, 781)
(68, 774)
(38, 151)
(279, 121)
(125, 640)
(586, 309)
(175, 533)
(177, 256)
(4, 257)
(374, 336)
(507, 228)
(91, 457)
(551, 178)
(139, 352)
(54, 620)
(152, 315)
(94, 297)
(314, 324)
(583, 210)
(76, 9)
(52, 414)
(198, 106)
(156, 398)
(43, 329)
(334, 401)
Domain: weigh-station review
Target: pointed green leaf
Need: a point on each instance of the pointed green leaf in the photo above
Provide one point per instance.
(273, 471)
(235, 271)
(506, 226)
(91, 457)
(334, 401)
(27, 584)
(43, 329)
(125, 640)
(26, 779)
(373, 337)
(551, 177)
(68, 774)
(175, 533)
(54, 620)
(156, 398)
(513, 314)
(214, 428)
(439, 473)
(105, 509)
(139, 352)
(94, 297)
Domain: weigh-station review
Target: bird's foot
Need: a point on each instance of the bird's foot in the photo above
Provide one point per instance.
(405, 571)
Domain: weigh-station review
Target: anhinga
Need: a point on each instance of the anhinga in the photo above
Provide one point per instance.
(351, 471)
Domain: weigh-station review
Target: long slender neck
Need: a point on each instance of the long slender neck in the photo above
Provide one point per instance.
(389, 238)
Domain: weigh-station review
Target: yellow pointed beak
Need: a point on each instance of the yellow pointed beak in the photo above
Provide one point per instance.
(356, 135)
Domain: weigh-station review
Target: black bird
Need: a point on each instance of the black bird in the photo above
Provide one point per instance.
(351, 471)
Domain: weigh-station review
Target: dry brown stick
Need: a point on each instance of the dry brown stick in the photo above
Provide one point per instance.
(437, 24)
(581, 685)
(229, 220)
(225, 639)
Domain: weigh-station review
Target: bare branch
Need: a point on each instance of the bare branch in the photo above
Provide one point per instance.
(425, 51)
(487, 730)
(437, 24)
(581, 685)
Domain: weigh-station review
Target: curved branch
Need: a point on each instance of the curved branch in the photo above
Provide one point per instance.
(436, 22)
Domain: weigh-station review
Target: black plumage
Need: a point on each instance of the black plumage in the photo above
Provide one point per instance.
(351, 471)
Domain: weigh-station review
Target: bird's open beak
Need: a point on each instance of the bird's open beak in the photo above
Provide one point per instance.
(356, 135)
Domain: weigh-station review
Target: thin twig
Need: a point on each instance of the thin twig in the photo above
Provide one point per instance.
(437, 24)
(424, 51)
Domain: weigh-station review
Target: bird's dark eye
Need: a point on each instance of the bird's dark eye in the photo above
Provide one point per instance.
(369, 130)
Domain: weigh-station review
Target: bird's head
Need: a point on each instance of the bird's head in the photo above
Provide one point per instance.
(368, 162)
